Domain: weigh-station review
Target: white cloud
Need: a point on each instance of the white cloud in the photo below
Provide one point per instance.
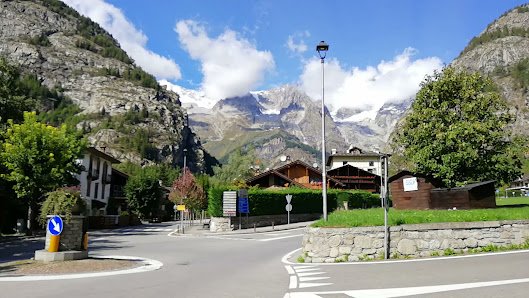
(300, 47)
(231, 65)
(131, 40)
(368, 89)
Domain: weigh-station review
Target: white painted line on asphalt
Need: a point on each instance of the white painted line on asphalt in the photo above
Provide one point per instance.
(306, 270)
(402, 292)
(278, 238)
(293, 282)
(313, 278)
(309, 273)
(312, 284)
(151, 265)
(307, 266)
(290, 270)
(288, 255)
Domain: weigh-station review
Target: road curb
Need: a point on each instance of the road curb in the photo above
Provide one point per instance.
(151, 265)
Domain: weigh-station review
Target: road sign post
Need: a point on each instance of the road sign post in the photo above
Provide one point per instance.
(288, 207)
(55, 226)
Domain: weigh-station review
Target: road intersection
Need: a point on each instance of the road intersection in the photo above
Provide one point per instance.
(265, 264)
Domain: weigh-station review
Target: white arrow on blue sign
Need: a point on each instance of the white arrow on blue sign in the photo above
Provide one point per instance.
(55, 225)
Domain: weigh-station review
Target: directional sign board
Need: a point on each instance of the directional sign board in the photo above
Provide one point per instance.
(243, 205)
(55, 225)
(229, 203)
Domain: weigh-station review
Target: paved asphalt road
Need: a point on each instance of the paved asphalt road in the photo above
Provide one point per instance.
(250, 265)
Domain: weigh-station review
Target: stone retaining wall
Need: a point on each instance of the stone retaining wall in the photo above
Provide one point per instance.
(418, 240)
(220, 224)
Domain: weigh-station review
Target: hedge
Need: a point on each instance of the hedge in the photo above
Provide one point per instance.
(266, 202)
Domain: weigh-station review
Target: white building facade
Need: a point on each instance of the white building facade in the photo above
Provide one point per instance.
(95, 180)
(368, 161)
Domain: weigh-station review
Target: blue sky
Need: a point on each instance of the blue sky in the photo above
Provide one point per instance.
(227, 48)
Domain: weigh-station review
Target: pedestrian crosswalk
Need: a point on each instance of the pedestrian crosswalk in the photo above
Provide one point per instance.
(306, 276)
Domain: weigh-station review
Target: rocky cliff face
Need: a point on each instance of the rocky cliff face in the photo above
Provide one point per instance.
(499, 52)
(48, 40)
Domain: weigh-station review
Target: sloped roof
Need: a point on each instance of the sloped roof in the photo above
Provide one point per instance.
(276, 171)
(102, 154)
(351, 166)
(273, 172)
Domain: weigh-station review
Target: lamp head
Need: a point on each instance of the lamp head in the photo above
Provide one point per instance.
(322, 47)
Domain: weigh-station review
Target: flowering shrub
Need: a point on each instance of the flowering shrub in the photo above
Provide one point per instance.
(64, 201)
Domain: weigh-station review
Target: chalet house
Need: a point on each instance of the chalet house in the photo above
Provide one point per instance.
(354, 178)
(521, 184)
(354, 156)
(117, 192)
(96, 179)
(295, 173)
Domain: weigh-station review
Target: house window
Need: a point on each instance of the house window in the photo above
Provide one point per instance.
(102, 192)
(96, 190)
(88, 187)
(371, 163)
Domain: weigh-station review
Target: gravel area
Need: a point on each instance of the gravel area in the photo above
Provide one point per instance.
(32, 267)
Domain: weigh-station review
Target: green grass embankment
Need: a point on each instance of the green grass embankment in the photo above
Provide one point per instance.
(375, 217)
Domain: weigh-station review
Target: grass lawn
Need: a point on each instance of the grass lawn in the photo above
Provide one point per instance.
(512, 201)
(375, 217)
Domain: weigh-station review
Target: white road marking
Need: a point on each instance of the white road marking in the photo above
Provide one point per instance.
(277, 238)
(306, 266)
(313, 278)
(293, 282)
(310, 273)
(290, 270)
(313, 284)
(306, 269)
(150, 265)
(401, 292)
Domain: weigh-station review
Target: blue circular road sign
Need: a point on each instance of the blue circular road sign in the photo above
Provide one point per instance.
(55, 225)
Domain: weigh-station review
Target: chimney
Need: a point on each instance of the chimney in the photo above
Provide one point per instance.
(333, 151)
(288, 159)
(102, 149)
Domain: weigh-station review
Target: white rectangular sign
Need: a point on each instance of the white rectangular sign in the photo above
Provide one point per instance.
(229, 203)
(410, 184)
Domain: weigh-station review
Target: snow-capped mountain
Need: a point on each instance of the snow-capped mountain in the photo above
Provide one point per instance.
(282, 121)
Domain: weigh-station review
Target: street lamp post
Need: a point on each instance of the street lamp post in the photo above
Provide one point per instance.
(181, 199)
(322, 47)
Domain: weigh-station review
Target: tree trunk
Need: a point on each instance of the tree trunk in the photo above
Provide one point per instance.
(32, 217)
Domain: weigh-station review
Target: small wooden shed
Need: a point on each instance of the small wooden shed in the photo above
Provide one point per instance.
(471, 196)
(412, 190)
(420, 192)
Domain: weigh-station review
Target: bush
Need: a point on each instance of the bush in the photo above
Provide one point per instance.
(65, 202)
(124, 213)
(264, 202)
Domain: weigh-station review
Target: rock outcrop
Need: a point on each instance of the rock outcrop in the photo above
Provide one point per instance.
(65, 57)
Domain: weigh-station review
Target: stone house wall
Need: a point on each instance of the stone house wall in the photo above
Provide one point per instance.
(417, 240)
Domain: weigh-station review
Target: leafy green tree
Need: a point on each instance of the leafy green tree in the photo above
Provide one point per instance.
(39, 158)
(238, 167)
(457, 131)
(143, 191)
(186, 190)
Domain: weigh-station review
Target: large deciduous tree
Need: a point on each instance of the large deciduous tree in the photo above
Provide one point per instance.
(39, 158)
(457, 130)
(143, 191)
